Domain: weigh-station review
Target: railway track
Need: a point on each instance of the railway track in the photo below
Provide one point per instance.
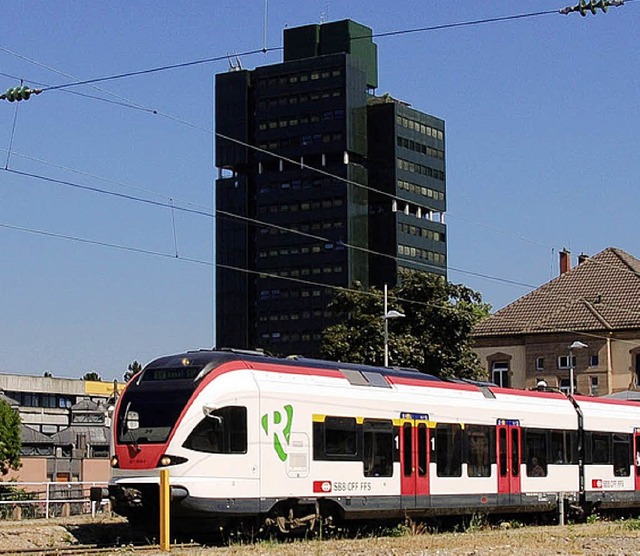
(98, 549)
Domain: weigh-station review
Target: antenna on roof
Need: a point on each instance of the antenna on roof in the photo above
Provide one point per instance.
(234, 65)
(324, 16)
(264, 26)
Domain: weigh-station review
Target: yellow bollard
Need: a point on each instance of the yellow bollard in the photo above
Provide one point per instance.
(165, 544)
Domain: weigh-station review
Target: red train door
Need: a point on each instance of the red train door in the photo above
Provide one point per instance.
(508, 439)
(636, 457)
(414, 462)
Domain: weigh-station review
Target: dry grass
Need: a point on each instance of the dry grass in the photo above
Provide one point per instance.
(607, 538)
(599, 538)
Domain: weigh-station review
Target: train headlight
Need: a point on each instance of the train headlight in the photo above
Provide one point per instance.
(167, 460)
(114, 461)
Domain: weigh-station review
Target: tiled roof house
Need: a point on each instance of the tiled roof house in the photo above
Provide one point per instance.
(596, 303)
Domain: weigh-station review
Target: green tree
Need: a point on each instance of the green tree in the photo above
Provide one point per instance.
(10, 440)
(92, 375)
(133, 369)
(433, 337)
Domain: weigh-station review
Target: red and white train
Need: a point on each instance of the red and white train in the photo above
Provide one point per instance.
(288, 442)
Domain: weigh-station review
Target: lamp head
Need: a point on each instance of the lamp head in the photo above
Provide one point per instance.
(393, 314)
(578, 345)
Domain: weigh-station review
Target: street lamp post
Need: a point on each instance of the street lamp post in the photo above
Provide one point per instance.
(393, 314)
(575, 345)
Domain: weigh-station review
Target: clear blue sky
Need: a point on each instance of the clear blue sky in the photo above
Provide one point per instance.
(543, 129)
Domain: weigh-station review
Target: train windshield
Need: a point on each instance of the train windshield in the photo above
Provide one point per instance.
(148, 417)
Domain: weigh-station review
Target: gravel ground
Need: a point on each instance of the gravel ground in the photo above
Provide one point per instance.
(606, 538)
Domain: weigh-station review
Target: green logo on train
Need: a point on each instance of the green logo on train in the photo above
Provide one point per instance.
(281, 430)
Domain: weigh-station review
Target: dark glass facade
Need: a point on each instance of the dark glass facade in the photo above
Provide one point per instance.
(289, 227)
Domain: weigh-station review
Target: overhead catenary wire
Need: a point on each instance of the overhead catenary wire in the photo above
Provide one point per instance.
(202, 262)
(265, 49)
(173, 207)
(123, 100)
(450, 215)
(11, 136)
(381, 34)
(267, 224)
(170, 204)
(393, 33)
(260, 273)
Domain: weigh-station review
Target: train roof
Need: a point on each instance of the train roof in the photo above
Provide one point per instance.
(209, 359)
(204, 357)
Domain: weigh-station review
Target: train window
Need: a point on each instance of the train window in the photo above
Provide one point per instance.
(515, 452)
(422, 450)
(223, 431)
(558, 448)
(355, 377)
(407, 449)
(378, 448)
(448, 450)
(622, 455)
(337, 438)
(600, 448)
(157, 413)
(340, 436)
(479, 450)
(503, 452)
(563, 447)
(535, 449)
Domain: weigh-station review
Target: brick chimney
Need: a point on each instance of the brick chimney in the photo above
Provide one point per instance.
(565, 261)
(582, 257)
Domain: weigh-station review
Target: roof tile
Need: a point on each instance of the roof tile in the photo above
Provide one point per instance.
(601, 293)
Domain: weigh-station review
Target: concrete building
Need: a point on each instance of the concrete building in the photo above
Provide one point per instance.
(321, 183)
(596, 303)
(64, 434)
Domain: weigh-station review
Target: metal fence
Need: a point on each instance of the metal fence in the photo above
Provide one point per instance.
(45, 500)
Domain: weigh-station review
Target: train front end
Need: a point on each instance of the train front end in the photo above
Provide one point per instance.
(147, 431)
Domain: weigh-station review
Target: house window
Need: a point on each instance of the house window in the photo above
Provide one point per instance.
(565, 385)
(540, 364)
(594, 389)
(563, 362)
(593, 360)
(500, 373)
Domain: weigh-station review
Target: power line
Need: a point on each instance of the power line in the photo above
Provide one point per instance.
(173, 256)
(257, 222)
(464, 24)
(266, 49)
(101, 178)
(123, 100)
(392, 33)
(260, 223)
(393, 197)
(107, 192)
(171, 206)
(157, 69)
(258, 273)
(13, 132)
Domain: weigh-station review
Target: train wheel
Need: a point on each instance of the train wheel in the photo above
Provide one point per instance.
(290, 518)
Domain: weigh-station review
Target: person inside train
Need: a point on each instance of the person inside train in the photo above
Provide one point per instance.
(535, 469)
